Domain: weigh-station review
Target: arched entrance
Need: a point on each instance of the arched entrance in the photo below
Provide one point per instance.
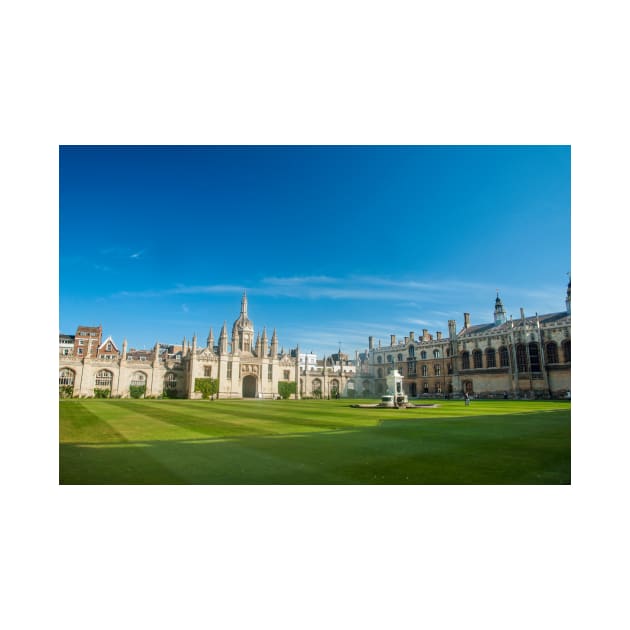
(249, 387)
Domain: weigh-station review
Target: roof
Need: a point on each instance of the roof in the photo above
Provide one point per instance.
(547, 319)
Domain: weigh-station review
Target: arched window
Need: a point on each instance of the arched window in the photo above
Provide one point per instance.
(436, 354)
(334, 386)
(566, 351)
(400, 357)
(66, 377)
(551, 350)
(521, 358)
(138, 379)
(491, 359)
(170, 381)
(103, 379)
(534, 357)
(477, 361)
(412, 351)
(437, 368)
(317, 387)
(504, 356)
(379, 359)
(390, 358)
(465, 360)
(423, 354)
(425, 370)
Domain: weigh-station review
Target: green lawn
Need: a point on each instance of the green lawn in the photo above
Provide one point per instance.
(313, 442)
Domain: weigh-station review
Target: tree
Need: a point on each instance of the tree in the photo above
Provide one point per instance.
(207, 386)
(286, 389)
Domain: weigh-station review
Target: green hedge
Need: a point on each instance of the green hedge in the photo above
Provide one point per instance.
(207, 386)
(286, 389)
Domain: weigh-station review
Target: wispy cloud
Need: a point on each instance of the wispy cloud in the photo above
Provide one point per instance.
(137, 255)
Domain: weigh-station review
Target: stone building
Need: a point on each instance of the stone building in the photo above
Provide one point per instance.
(528, 357)
(246, 366)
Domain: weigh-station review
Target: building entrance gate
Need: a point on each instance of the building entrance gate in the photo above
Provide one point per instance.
(249, 387)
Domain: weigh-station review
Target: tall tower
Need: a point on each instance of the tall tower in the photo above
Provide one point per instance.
(243, 330)
(499, 311)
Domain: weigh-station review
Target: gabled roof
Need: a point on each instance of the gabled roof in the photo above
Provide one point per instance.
(108, 340)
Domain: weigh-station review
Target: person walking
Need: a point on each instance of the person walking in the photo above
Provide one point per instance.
(466, 399)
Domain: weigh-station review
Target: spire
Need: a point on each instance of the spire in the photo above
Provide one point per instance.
(223, 339)
(244, 304)
(210, 340)
(264, 344)
(274, 345)
(567, 300)
(194, 342)
(499, 311)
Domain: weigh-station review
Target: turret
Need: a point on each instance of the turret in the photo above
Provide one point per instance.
(124, 349)
(223, 339)
(499, 312)
(210, 340)
(274, 345)
(194, 343)
(264, 343)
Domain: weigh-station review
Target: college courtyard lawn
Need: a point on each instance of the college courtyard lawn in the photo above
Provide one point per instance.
(313, 442)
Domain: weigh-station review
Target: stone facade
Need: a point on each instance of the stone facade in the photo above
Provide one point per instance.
(525, 358)
(245, 368)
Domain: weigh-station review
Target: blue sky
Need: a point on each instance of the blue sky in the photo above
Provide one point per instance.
(332, 244)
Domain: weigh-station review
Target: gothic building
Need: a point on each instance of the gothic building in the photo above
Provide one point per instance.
(528, 357)
(246, 367)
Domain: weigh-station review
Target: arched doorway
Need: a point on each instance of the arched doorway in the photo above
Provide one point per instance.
(249, 387)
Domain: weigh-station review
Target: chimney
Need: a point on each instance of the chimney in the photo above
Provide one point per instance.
(406, 340)
(466, 320)
(425, 334)
(439, 335)
(452, 330)
(371, 343)
(522, 313)
(392, 340)
(411, 335)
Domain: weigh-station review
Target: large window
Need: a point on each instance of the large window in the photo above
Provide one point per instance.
(521, 358)
(477, 360)
(437, 369)
(425, 370)
(138, 379)
(491, 359)
(412, 351)
(170, 381)
(66, 377)
(534, 357)
(436, 354)
(103, 379)
(465, 360)
(504, 356)
(566, 351)
(552, 352)
(411, 368)
(207, 370)
(423, 354)
(379, 359)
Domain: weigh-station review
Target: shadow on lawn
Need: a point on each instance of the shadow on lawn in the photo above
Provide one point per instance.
(397, 451)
